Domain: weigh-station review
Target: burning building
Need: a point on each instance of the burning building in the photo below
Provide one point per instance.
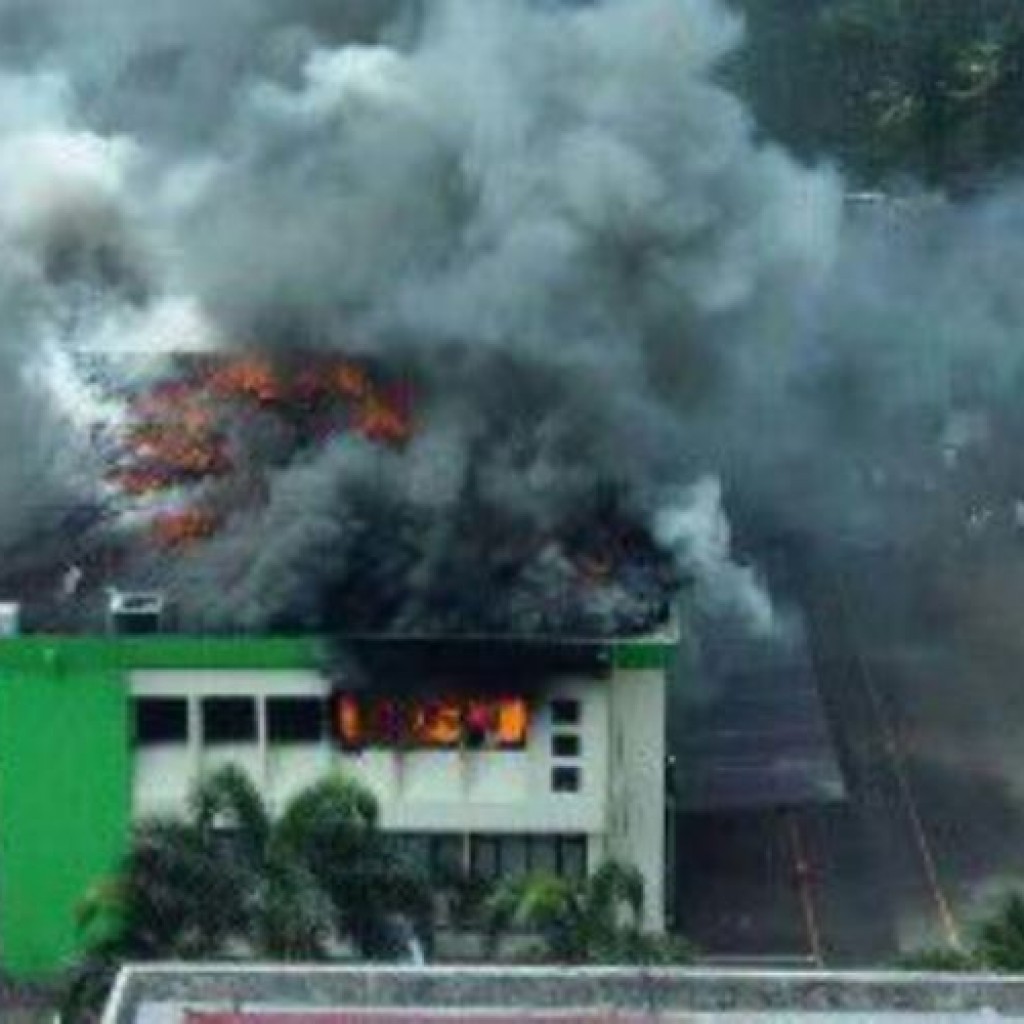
(508, 711)
(467, 285)
(489, 758)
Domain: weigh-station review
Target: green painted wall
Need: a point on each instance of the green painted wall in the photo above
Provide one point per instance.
(40, 653)
(64, 803)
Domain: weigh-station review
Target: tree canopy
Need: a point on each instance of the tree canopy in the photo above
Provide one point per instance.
(932, 89)
(229, 880)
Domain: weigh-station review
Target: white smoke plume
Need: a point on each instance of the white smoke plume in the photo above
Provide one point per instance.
(695, 527)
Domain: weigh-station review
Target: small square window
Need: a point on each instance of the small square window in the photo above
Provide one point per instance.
(295, 719)
(229, 720)
(565, 711)
(565, 778)
(565, 745)
(160, 720)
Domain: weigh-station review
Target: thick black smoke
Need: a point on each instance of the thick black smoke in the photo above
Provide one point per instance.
(611, 293)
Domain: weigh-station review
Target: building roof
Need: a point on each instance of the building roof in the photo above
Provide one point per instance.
(209, 994)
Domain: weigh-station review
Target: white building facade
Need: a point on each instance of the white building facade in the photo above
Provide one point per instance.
(572, 772)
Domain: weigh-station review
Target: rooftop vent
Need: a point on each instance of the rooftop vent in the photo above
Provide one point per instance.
(135, 612)
(10, 618)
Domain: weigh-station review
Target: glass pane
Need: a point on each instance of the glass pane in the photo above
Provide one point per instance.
(229, 720)
(514, 856)
(573, 857)
(295, 719)
(565, 778)
(544, 854)
(565, 745)
(446, 856)
(484, 857)
(565, 712)
(161, 720)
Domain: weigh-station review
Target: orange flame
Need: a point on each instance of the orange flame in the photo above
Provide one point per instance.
(179, 430)
(380, 420)
(252, 378)
(184, 528)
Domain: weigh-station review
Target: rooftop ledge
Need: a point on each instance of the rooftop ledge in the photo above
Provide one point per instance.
(53, 653)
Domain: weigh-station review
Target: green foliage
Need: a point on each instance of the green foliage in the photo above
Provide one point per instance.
(998, 946)
(930, 88)
(293, 917)
(941, 960)
(1001, 936)
(597, 920)
(228, 880)
(228, 801)
(331, 831)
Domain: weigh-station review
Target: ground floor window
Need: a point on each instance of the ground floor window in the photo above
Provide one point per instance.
(494, 857)
(499, 857)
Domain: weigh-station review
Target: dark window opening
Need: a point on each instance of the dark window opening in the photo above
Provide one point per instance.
(160, 720)
(440, 855)
(295, 719)
(565, 711)
(572, 857)
(485, 858)
(498, 857)
(446, 856)
(565, 778)
(565, 745)
(229, 720)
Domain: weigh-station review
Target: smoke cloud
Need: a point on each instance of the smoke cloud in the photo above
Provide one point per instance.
(615, 300)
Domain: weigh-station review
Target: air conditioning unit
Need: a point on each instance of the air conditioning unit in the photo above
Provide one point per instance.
(133, 613)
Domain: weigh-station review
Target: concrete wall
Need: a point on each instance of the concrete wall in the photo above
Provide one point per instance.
(620, 806)
(636, 805)
(608, 989)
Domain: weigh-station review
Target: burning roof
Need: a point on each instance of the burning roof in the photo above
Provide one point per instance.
(195, 463)
(190, 448)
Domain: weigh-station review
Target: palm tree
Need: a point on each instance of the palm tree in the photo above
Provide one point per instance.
(593, 920)
(331, 832)
(227, 880)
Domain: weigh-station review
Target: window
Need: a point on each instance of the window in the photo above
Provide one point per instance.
(229, 720)
(485, 858)
(497, 857)
(439, 854)
(515, 856)
(565, 778)
(446, 856)
(295, 719)
(160, 720)
(544, 854)
(572, 857)
(414, 848)
(565, 711)
(565, 745)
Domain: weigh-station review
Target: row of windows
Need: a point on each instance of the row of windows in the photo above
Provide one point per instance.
(491, 858)
(160, 720)
(289, 720)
